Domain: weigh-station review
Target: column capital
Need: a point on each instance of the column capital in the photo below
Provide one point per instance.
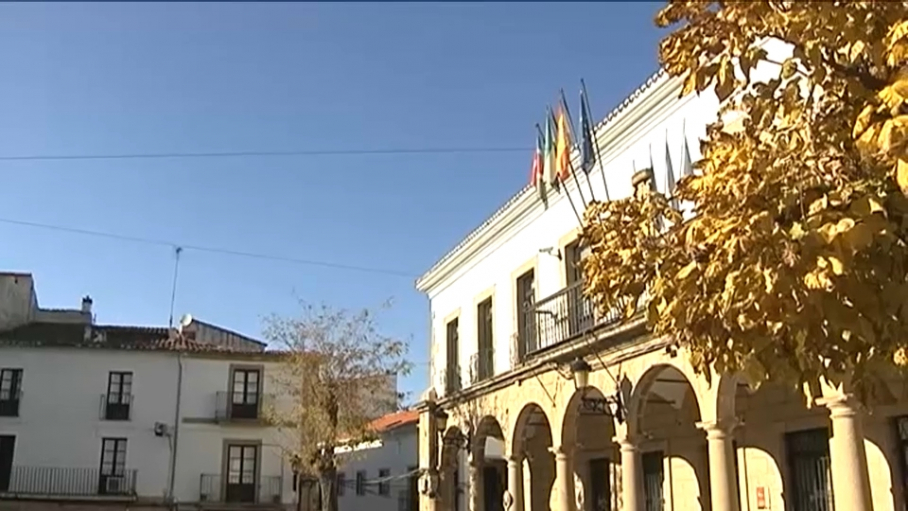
(840, 406)
(560, 451)
(718, 429)
(626, 442)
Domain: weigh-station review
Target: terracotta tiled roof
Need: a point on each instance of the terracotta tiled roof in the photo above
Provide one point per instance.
(120, 337)
(395, 420)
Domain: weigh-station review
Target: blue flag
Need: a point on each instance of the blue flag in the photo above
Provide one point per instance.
(587, 155)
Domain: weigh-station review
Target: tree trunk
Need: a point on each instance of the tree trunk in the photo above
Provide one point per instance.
(327, 480)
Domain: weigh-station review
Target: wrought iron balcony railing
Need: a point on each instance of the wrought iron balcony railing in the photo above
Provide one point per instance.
(450, 377)
(116, 407)
(68, 482)
(235, 489)
(482, 364)
(561, 317)
(9, 404)
(229, 406)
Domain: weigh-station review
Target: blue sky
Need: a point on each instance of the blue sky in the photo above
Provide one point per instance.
(170, 78)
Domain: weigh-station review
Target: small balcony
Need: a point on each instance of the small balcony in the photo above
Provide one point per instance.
(246, 409)
(9, 404)
(482, 364)
(60, 482)
(217, 489)
(450, 377)
(564, 316)
(116, 407)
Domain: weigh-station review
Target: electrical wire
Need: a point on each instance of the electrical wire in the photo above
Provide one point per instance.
(212, 250)
(236, 154)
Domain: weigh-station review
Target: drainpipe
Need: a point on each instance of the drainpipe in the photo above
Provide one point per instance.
(175, 436)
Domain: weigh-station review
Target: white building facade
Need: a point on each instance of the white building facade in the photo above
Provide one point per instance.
(382, 475)
(141, 416)
(589, 412)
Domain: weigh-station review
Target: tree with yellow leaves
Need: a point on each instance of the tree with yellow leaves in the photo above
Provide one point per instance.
(792, 265)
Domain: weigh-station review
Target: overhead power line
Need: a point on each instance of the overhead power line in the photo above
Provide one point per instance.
(213, 250)
(235, 154)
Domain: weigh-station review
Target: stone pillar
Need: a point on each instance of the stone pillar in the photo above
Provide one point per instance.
(475, 476)
(723, 478)
(564, 479)
(848, 460)
(631, 476)
(515, 482)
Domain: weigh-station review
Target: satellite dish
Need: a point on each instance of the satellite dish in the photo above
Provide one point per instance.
(185, 321)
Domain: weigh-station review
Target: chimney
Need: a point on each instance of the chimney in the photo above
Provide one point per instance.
(86, 305)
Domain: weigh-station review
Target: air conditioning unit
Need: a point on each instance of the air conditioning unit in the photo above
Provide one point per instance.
(116, 485)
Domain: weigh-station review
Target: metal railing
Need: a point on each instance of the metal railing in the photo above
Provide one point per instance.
(69, 482)
(9, 406)
(482, 364)
(226, 409)
(116, 407)
(216, 488)
(560, 317)
(450, 378)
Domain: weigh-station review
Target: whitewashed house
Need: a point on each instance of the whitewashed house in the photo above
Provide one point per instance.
(381, 475)
(146, 416)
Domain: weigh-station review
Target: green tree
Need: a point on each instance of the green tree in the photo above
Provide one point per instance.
(793, 265)
(337, 377)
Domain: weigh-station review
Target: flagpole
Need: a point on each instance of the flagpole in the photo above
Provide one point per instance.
(567, 112)
(595, 140)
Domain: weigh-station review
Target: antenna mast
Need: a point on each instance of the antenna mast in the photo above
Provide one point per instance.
(173, 292)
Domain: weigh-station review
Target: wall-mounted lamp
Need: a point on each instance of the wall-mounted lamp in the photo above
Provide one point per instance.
(552, 251)
(607, 405)
(441, 421)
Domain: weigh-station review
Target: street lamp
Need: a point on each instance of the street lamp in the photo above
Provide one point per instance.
(580, 369)
(608, 405)
(441, 420)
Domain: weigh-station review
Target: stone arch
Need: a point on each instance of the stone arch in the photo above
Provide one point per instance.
(589, 435)
(677, 367)
(574, 419)
(531, 445)
(666, 409)
(450, 462)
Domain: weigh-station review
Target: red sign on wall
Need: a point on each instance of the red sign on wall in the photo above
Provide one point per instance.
(761, 497)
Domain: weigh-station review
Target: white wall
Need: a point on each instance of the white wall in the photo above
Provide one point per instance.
(397, 452)
(201, 439)
(663, 125)
(59, 422)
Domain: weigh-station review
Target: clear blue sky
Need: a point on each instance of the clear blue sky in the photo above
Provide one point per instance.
(169, 78)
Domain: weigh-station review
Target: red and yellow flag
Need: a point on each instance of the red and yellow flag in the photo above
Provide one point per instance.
(562, 148)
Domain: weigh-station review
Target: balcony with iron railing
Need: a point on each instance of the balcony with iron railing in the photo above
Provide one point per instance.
(559, 318)
(249, 408)
(62, 482)
(482, 364)
(9, 403)
(116, 407)
(451, 379)
(216, 488)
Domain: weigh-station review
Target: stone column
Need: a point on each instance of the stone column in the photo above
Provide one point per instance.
(475, 476)
(723, 478)
(848, 460)
(515, 481)
(631, 476)
(564, 478)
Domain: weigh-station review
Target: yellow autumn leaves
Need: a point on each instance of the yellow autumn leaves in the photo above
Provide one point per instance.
(794, 264)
